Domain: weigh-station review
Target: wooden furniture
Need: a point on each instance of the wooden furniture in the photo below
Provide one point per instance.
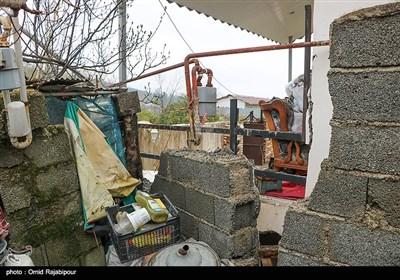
(289, 156)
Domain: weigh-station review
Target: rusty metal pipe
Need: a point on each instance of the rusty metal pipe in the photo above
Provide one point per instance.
(209, 77)
(307, 70)
(239, 51)
(247, 50)
(159, 71)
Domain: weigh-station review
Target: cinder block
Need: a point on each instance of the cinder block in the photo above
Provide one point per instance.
(365, 148)
(10, 156)
(58, 181)
(231, 215)
(303, 233)
(339, 193)
(360, 245)
(245, 262)
(95, 257)
(15, 197)
(175, 191)
(288, 259)
(206, 176)
(38, 110)
(200, 205)
(62, 250)
(386, 195)
(246, 243)
(126, 103)
(242, 243)
(189, 225)
(365, 95)
(164, 164)
(39, 256)
(221, 173)
(367, 37)
(50, 146)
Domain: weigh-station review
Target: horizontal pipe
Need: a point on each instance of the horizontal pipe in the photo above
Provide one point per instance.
(156, 72)
(268, 173)
(240, 131)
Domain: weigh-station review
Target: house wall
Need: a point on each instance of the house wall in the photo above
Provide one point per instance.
(353, 215)
(324, 13)
(226, 102)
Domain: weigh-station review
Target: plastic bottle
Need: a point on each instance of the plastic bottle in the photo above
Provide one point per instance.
(157, 213)
(123, 225)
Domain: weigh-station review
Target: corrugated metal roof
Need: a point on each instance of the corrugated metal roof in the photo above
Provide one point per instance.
(272, 19)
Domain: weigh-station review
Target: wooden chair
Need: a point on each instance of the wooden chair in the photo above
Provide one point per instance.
(289, 156)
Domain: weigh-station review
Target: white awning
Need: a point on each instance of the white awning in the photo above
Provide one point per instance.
(276, 20)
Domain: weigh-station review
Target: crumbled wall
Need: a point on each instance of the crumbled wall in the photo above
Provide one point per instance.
(353, 214)
(216, 198)
(40, 191)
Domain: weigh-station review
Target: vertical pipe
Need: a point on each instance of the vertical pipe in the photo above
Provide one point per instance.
(18, 55)
(307, 65)
(122, 40)
(290, 63)
(233, 125)
(6, 98)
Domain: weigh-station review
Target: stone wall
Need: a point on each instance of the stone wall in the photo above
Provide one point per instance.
(40, 192)
(353, 214)
(217, 200)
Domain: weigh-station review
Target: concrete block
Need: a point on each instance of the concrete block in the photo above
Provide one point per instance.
(217, 240)
(126, 103)
(15, 197)
(175, 191)
(231, 215)
(95, 257)
(39, 256)
(246, 243)
(206, 176)
(367, 37)
(58, 180)
(61, 251)
(386, 196)
(360, 245)
(303, 233)
(242, 243)
(364, 92)
(164, 165)
(200, 205)
(10, 156)
(3, 122)
(246, 262)
(339, 193)
(50, 146)
(189, 225)
(365, 148)
(288, 259)
(37, 110)
(221, 173)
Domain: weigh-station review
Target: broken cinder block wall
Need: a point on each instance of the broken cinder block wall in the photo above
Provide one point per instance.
(217, 200)
(353, 214)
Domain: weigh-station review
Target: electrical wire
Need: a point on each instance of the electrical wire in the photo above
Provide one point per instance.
(190, 48)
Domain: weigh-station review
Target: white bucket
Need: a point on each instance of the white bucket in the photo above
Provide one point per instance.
(138, 218)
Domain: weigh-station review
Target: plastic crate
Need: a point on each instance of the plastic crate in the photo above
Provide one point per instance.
(148, 239)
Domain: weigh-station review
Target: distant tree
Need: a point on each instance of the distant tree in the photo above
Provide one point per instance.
(147, 115)
(175, 113)
(79, 39)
